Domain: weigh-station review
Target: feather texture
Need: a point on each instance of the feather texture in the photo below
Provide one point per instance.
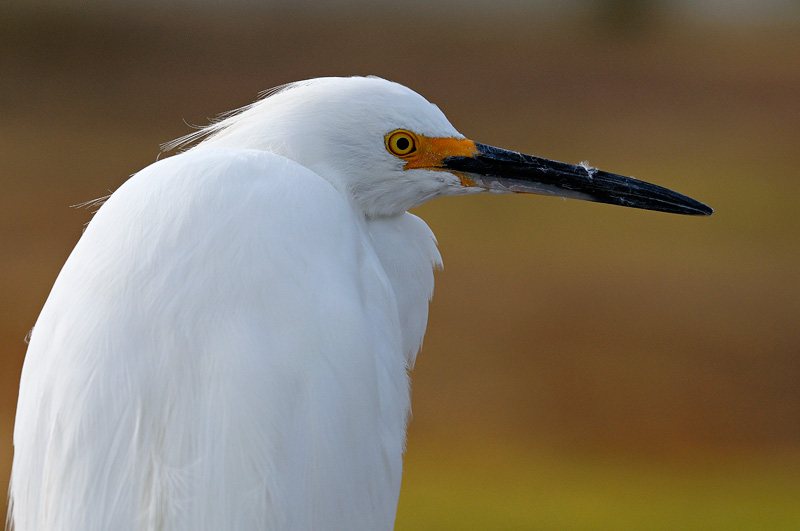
(194, 368)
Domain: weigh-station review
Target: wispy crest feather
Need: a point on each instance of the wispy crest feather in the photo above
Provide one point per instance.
(221, 121)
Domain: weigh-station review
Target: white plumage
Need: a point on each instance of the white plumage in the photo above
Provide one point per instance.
(227, 346)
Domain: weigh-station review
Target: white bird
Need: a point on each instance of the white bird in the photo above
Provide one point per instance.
(228, 345)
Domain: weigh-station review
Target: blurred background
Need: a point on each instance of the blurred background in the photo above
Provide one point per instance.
(586, 366)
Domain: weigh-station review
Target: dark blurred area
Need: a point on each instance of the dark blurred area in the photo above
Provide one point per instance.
(558, 328)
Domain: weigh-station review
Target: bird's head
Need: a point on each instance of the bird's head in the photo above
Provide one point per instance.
(390, 149)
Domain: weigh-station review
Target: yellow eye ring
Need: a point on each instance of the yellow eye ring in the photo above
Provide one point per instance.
(401, 143)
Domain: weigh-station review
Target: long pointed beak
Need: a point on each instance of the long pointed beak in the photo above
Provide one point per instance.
(508, 171)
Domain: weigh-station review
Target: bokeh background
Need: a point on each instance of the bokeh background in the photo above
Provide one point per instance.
(586, 366)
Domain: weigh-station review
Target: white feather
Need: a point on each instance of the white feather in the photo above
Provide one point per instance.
(227, 346)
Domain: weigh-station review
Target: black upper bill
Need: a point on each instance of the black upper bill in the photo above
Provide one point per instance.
(502, 170)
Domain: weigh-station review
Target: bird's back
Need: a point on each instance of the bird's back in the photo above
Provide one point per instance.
(224, 349)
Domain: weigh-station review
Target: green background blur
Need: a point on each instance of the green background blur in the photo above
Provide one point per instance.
(586, 366)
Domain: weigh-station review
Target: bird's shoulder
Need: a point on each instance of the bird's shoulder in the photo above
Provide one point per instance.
(216, 228)
(227, 177)
(218, 200)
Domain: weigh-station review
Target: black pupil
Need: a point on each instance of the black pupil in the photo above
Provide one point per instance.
(403, 143)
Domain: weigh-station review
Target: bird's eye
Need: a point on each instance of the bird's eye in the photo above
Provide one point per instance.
(401, 143)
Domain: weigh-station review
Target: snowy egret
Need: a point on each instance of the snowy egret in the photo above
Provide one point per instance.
(228, 345)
